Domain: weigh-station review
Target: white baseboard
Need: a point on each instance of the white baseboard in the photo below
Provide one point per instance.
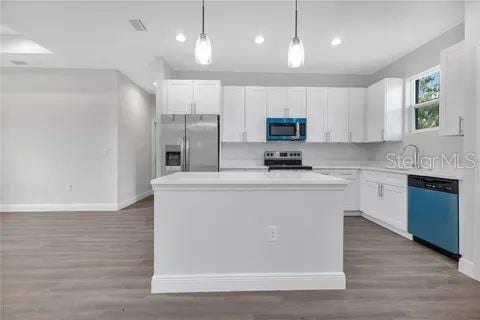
(387, 226)
(466, 267)
(248, 282)
(59, 207)
(73, 206)
(128, 202)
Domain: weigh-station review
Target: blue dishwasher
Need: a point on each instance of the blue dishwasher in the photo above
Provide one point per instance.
(433, 213)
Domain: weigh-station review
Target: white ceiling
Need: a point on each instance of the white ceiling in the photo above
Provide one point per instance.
(89, 34)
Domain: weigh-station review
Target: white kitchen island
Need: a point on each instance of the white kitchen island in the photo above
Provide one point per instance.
(244, 231)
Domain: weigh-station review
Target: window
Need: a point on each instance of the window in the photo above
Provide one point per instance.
(425, 93)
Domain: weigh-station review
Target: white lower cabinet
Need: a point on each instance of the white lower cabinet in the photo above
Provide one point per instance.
(395, 206)
(352, 192)
(384, 197)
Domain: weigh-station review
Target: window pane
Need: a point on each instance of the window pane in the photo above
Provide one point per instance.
(427, 116)
(427, 88)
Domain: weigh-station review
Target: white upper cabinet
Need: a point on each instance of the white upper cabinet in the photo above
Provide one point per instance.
(356, 119)
(255, 113)
(233, 115)
(384, 116)
(337, 114)
(452, 92)
(277, 102)
(207, 96)
(296, 102)
(193, 96)
(316, 114)
(179, 96)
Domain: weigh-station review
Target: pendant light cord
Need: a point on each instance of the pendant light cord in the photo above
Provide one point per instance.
(203, 16)
(296, 14)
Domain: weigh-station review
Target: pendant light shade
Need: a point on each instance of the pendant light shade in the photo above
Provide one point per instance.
(203, 50)
(296, 53)
(203, 46)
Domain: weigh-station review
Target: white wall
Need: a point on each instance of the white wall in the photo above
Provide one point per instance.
(134, 137)
(421, 59)
(88, 129)
(470, 238)
(57, 126)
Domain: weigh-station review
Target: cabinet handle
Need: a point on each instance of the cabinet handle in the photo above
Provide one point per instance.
(383, 134)
(460, 125)
(194, 108)
(191, 108)
(244, 136)
(381, 191)
(378, 191)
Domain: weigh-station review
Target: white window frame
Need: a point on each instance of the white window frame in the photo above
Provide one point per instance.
(410, 105)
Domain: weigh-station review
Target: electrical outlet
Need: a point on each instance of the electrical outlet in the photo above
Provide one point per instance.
(69, 187)
(272, 233)
(106, 152)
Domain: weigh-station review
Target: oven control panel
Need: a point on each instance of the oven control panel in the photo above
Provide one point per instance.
(285, 155)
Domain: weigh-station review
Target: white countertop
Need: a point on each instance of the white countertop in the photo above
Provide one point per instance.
(248, 178)
(448, 173)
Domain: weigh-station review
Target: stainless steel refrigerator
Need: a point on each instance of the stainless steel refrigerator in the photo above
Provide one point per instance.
(190, 142)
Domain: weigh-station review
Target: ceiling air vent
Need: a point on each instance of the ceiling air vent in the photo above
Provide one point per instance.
(18, 62)
(137, 24)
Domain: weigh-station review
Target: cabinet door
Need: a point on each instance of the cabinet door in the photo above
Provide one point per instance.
(370, 201)
(394, 206)
(296, 104)
(375, 112)
(452, 93)
(356, 112)
(255, 111)
(233, 115)
(207, 96)
(352, 191)
(179, 97)
(337, 114)
(277, 102)
(316, 114)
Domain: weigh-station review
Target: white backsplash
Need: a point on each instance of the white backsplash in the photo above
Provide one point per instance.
(311, 152)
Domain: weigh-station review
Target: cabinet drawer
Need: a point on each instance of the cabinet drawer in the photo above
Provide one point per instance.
(395, 179)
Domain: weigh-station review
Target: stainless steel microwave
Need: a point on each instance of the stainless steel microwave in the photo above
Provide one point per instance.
(286, 129)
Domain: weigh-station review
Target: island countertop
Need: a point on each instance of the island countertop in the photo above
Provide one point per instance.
(296, 178)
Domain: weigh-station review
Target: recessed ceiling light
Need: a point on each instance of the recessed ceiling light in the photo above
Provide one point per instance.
(336, 42)
(180, 37)
(154, 83)
(259, 39)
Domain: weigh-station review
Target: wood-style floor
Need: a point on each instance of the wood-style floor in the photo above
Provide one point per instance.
(98, 265)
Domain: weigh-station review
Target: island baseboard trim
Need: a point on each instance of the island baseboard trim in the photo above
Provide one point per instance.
(248, 282)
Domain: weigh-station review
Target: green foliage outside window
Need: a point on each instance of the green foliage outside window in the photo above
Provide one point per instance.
(427, 89)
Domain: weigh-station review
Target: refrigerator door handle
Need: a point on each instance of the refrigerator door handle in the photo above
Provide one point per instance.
(182, 154)
(187, 154)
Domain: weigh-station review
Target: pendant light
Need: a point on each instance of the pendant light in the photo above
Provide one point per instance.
(203, 47)
(296, 53)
